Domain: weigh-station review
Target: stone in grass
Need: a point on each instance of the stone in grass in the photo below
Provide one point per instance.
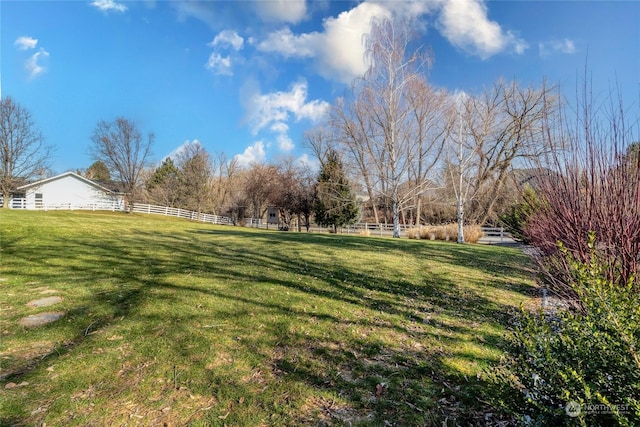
(44, 302)
(14, 385)
(40, 319)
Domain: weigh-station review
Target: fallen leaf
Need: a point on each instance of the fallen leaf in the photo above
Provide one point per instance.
(380, 388)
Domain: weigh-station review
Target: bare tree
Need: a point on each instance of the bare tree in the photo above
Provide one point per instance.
(120, 146)
(461, 160)
(195, 172)
(293, 192)
(305, 196)
(505, 124)
(225, 173)
(319, 140)
(259, 185)
(380, 130)
(433, 114)
(236, 202)
(494, 132)
(23, 152)
(348, 122)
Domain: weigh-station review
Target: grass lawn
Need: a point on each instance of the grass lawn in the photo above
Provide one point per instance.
(169, 322)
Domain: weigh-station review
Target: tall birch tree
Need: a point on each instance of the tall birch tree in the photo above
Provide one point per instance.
(380, 129)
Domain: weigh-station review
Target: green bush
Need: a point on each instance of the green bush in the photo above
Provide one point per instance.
(589, 356)
(515, 220)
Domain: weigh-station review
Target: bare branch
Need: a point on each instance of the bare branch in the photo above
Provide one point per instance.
(120, 146)
(23, 152)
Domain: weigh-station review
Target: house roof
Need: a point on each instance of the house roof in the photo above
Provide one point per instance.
(64, 175)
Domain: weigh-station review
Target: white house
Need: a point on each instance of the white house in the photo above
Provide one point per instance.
(66, 191)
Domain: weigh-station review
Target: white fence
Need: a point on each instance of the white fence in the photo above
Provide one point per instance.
(494, 233)
(21, 203)
(181, 213)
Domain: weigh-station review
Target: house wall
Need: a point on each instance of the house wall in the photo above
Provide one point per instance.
(68, 190)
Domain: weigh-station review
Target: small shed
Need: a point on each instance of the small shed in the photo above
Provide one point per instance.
(66, 191)
(273, 216)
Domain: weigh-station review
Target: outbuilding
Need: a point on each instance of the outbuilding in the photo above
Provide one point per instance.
(66, 191)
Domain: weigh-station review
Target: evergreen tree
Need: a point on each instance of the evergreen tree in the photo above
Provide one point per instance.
(98, 171)
(166, 171)
(164, 184)
(335, 204)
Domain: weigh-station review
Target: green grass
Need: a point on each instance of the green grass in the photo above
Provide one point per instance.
(173, 322)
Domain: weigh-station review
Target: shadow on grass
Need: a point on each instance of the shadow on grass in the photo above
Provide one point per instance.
(375, 347)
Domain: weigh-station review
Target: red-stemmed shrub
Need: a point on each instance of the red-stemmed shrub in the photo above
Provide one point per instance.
(589, 181)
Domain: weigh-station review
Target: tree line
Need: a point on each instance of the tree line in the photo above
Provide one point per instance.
(424, 155)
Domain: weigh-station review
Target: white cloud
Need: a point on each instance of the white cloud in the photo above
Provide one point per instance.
(284, 142)
(228, 38)
(291, 11)
(200, 10)
(252, 154)
(276, 108)
(338, 50)
(220, 65)
(290, 45)
(33, 64)
(279, 127)
(466, 25)
(565, 46)
(343, 51)
(175, 153)
(109, 5)
(25, 43)
(310, 162)
(270, 114)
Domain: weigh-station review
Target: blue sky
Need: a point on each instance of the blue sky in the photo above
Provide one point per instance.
(247, 78)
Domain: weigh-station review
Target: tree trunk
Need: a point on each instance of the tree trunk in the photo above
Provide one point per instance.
(418, 211)
(460, 217)
(396, 219)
